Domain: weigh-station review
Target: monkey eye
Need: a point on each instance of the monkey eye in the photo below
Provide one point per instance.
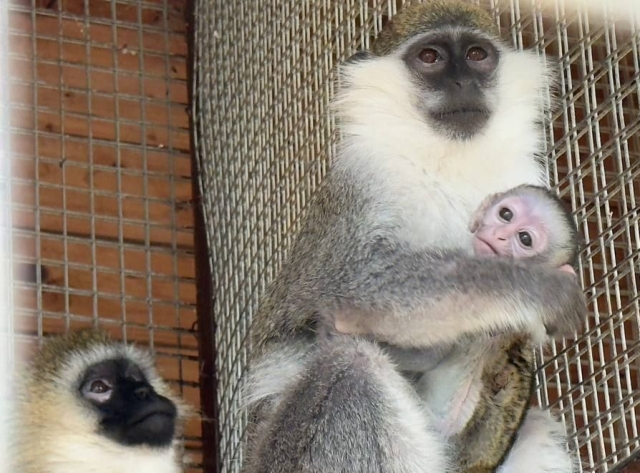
(98, 390)
(476, 53)
(429, 56)
(525, 239)
(98, 387)
(505, 214)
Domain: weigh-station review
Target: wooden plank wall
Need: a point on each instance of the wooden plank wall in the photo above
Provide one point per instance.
(103, 223)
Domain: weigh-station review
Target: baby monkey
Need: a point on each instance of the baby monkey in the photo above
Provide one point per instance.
(524, 222)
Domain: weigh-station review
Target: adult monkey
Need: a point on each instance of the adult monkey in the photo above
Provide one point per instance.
(438, 117)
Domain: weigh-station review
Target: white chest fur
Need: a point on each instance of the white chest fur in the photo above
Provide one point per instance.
(429, 199)
(95, 454)
(427, 185)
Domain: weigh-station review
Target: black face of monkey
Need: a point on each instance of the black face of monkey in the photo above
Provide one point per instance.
(129, 409)
(455, 73)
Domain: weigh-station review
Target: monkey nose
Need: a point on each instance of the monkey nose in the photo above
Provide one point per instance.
(142, 393)
(462, 83)
(501, 233)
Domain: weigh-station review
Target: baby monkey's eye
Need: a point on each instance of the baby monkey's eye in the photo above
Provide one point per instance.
(525, 239)
(505, 214)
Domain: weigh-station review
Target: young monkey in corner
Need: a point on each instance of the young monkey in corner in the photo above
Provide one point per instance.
(484, 417)
(89, 404)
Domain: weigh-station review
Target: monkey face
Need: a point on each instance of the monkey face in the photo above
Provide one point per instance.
(455, 74)
(129, 410)
(514, 226)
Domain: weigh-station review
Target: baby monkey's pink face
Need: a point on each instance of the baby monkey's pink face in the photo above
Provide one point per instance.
(512, 227)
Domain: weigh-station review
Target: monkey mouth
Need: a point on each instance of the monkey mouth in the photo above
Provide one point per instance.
(156, 414)
(152, 415)
(460, 122)
(156, 429)
(460, 112)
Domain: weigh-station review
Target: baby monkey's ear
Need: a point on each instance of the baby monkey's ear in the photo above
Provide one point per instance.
(485, 205)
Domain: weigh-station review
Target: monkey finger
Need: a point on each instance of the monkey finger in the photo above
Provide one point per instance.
(568, 319)
(567, 269)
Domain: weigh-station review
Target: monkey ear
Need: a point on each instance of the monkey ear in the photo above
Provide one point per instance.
(475, 221)
(478, 215)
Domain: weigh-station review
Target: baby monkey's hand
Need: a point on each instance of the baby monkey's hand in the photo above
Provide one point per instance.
(567, 269)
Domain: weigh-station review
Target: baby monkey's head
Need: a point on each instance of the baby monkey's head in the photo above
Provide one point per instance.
(526, 222)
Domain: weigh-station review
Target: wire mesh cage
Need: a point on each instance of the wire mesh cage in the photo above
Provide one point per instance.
(102, 218)
(6, 322)
(264, 80)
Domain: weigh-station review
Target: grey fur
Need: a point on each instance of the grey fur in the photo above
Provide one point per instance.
(341, 415)
(396, 290)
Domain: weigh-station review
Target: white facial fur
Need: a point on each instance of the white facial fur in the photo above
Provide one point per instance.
(430, 185)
